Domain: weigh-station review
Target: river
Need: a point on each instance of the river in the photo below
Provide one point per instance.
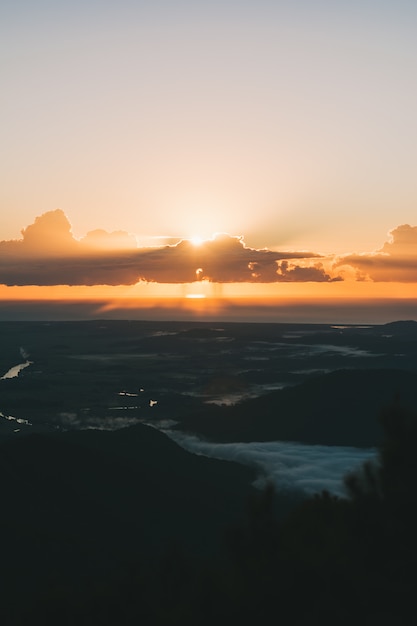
(14, 371)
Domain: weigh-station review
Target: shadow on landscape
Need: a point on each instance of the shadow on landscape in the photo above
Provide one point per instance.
(95, 532)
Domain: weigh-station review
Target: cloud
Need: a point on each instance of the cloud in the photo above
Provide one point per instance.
(100, 239)
(49, 254)
(223, 259)
(49, 234)
(290, 466)
(289, 272)
(396, 261)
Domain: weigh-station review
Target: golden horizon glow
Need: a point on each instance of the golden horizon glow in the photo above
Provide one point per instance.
(195, 296)
(331, 303)
(262, 292)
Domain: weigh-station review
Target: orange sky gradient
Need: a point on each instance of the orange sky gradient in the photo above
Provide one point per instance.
(282, 134)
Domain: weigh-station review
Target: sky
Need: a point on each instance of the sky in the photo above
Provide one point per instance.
(283, 134)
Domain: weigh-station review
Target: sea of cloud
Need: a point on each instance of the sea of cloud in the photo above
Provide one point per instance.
(290, 466)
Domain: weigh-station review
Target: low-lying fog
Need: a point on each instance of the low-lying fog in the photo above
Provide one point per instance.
(288, 465)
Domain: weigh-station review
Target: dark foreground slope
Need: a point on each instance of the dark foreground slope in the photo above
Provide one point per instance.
(79, 506)
(331, 561)
(340, 408)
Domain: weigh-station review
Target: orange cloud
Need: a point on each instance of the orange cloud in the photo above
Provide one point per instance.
(396, 261)
(101, 240)
(289, 272)
(48, 254)
(50, 234)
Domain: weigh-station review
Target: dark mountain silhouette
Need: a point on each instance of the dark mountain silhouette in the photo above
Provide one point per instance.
(78, 505)
(340, 408)
(402, 327)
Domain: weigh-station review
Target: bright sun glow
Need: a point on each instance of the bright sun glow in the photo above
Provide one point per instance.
(196, 241)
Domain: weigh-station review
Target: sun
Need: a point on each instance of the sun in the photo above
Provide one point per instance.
(196, 241)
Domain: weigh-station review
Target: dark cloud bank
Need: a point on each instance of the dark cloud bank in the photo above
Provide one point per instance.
(48, 254)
